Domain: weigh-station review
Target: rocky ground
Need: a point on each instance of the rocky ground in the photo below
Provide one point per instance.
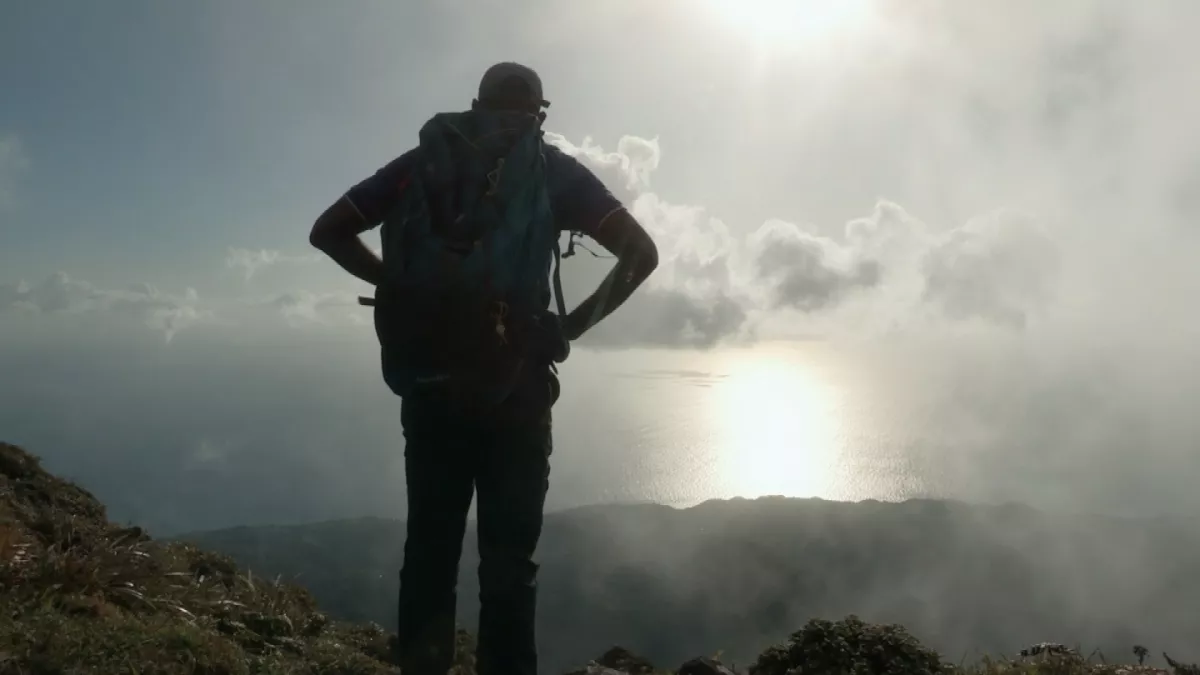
(79, 594)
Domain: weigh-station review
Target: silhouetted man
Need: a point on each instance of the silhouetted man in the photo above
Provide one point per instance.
(471, 222)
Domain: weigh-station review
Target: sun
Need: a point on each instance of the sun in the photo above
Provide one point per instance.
(780, 21)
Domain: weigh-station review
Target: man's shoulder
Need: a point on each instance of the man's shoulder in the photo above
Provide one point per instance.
(397, 167)
(375, 195)
(567, 174)
(580, 199)
(406, 159)
(557, 159)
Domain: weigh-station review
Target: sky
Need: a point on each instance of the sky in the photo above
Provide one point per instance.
(908, 248)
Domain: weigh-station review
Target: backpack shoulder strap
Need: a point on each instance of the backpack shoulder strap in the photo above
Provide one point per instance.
(558, 288)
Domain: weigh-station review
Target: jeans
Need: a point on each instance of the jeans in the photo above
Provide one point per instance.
(447, 458)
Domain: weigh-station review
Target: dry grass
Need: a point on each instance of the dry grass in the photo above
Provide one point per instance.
(81, 595)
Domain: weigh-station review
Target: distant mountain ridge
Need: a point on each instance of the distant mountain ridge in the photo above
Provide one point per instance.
(670, 583)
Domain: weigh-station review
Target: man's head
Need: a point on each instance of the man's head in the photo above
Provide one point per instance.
(511, 86)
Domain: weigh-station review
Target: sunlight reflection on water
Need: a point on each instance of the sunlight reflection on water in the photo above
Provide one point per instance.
(781, 420)
(778, 425)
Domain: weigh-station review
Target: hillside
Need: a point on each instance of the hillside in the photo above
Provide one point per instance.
(737, 575)
(82, 595)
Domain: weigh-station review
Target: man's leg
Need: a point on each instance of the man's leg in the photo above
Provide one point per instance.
(512, 481)
(439, 470)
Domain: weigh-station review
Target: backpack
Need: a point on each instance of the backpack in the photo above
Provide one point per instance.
(467, 250)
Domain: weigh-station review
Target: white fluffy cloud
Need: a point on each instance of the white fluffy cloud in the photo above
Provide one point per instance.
(808, 272)
(61, 297)
(631, 165)
(60, 294)
(716, 284)
(1001, 267)
(326, 309)
(250, 262)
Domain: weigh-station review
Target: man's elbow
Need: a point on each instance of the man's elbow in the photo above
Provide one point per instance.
(649, 258)
(326, 235)
(644, 258)
(319, 238)
(335, 226)
(636, 252)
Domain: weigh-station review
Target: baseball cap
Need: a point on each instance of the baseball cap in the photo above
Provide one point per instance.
(512, 82)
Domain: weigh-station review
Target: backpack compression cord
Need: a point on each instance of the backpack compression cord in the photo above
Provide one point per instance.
(559, 256)
(557, 277)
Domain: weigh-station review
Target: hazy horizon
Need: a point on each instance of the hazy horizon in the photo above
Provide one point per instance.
(909, 249)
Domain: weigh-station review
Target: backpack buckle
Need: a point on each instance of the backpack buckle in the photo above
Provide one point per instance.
(498, 314)
(493, 177)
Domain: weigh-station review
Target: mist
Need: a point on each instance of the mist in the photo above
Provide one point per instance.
(738, 576)
(1021, 285)
(1027, 265)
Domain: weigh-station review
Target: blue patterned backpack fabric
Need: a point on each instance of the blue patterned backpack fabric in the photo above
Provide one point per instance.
(467, 255)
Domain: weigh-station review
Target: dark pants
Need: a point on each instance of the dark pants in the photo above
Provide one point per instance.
(447, 457)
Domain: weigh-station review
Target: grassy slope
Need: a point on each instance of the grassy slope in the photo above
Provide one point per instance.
(81, 595)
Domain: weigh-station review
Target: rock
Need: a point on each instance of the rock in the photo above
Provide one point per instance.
(595, 669)
(625, 661)
(124, 535)
(290, 644)
(1049, 650)
(17, 464)
(704, 666)
(268, 626)
(315, 625)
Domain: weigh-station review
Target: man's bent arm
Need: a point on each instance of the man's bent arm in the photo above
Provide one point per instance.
(336, 233)
(637, 258)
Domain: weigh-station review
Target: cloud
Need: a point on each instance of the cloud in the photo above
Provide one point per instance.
(626, 171)
(251, 262)
(13, 163)
(715, 285)
(809, 272)
(60, 294)
(209, 454)
(328, 309)
(998, 267)
(680, 321)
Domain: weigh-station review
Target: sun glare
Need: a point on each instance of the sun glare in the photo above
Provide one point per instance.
(779, 430)
(789, 20)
